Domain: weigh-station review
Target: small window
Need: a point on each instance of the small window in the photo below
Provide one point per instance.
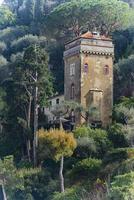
(106, 69)
(50, 103)
(72, 91)
(57, 101)
(85, 68)
(72, 69)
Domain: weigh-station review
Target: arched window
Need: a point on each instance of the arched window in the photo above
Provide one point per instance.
(85, 68)
(72, 69)
(106, 69)
(72, 95)
(57, 101)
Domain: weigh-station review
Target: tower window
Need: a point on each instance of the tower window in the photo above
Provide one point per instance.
(72, 69)
(72, 95)
(86, 68)
(57, 101)
(106, 69)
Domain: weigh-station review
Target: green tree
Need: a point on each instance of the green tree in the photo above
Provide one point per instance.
(14, 5)
(9, 177)
(124, 78)
(39, 10)
(56, 144)
(30, 10)
(7, 18)
(124, 113)
(74, 16)
(22, 43)
(57, 63)
(35, 61)
(118, 135)
(29, 94)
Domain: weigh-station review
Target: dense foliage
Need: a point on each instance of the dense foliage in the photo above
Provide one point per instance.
(98, 163)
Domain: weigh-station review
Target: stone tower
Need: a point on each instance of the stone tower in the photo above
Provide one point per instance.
(89, 75)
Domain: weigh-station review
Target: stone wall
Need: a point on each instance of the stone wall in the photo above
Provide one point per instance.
(93, 77)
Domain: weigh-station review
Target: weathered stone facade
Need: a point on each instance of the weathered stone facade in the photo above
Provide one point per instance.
(89, 73)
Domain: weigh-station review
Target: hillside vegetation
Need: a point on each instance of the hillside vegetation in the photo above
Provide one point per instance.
(39, 164)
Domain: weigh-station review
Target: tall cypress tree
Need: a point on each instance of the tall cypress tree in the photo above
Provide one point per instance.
(39, 9)
(30, 8)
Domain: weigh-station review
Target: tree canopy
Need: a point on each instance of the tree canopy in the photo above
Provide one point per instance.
(76, 17)
(7, 18)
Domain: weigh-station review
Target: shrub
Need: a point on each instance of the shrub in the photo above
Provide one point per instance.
(122, 188)
(85, 147)
(127, 102)
(102, 142)
(81, 132)
(124, 113)
(38, 183)
(69, 194)
(117, 135)
(24, 163)
(116, 155)
(87, 168)
(98, 137)
(126, 166)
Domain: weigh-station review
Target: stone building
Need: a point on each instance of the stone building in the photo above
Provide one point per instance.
(53, 103)
(89, 75)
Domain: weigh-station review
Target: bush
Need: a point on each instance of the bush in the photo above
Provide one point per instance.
(127, 102)
(39, 183)
(85, 147)
(116, 155)
(98, 137)
(24, 163)
(26, 183)
(122, 188)
(126, 166)
(101, 141)
(117, 135)
(82, 131)
(123, 113)
(87, 168)
(69, 194)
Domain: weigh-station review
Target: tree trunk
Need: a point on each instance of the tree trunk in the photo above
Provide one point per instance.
(28, 125)
(3, 192)
(61, 175)
(61, 125)
(35, 142)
